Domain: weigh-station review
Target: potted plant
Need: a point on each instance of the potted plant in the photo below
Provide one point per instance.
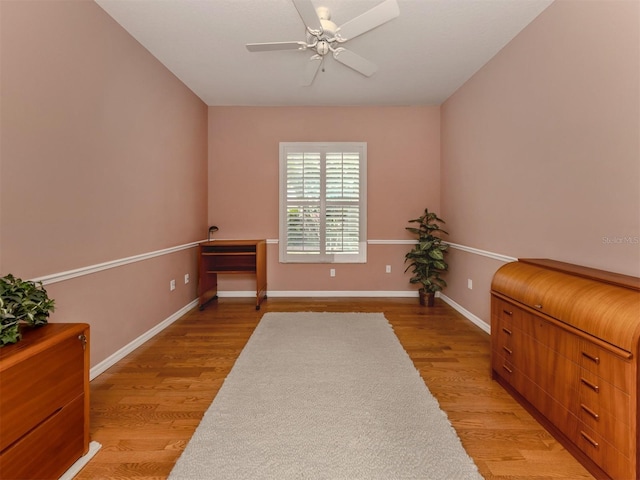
(21, 302)
(426, 258)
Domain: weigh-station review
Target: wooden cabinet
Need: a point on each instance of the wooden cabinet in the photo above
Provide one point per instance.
(44, 401)
(565, 342)
(231, 257)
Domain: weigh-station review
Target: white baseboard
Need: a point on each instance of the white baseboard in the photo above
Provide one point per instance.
(81, 462)
(127, 349)
(466, 313)
(322, 293)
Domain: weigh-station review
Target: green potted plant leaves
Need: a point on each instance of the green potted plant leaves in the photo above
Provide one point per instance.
(426, 258)
(23, 302)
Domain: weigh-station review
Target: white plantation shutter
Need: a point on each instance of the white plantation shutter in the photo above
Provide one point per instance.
(342, 202)
(303, 202)
(323, 202)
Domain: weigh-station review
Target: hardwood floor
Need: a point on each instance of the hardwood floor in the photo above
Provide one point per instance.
(145, 408)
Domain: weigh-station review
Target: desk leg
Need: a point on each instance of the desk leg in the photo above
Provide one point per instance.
(207, 289)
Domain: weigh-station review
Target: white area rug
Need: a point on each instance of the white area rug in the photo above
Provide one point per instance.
(324, 396)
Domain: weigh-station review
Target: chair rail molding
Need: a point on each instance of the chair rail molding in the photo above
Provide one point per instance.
(79, 272)
(483, 253)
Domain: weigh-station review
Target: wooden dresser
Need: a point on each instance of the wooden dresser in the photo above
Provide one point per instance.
(565, 344)
(44, 401)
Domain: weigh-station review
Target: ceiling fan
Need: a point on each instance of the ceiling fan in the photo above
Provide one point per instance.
(324, 36)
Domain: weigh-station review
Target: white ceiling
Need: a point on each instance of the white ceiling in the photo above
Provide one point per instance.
(423, 56)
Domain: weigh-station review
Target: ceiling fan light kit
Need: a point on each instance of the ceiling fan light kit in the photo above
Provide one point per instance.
(324, 36)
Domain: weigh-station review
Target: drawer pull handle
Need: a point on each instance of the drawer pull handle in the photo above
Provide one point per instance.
(506, 330)
(538, 306)
(589, 439)
(595, 360)
(508, 350)
(592, 386)
(507, 312)
(589, 411)
(507, 369)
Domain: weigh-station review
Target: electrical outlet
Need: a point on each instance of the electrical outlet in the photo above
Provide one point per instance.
(332, 272)
(172, 285)
(469, 284)
(388, 269)
(186, 278)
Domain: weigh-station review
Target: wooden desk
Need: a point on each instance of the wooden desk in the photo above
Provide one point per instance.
(233, 257)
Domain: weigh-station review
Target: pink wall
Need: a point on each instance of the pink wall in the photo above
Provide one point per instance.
(103, 156)
(403, 152)
(541, 148)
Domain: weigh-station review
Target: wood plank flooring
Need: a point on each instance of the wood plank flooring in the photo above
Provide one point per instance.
(145, 409)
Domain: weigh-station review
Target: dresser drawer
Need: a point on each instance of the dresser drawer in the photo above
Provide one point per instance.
(553, 337)
(610, 428)
(553, 373)
(49, 450)
(506, 311)
(606, 365)
(609, 458)
(503, 368)
(35, 388)
(505, 350)
(600, 396)
(549, 406)
(506, 341)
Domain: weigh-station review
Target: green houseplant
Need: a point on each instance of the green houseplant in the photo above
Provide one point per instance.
(426, 258)
(21, 301)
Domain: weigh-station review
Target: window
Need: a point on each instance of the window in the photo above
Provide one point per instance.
(323, 208)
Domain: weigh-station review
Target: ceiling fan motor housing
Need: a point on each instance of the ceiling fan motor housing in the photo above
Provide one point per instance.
(328, 28)
(322, 47)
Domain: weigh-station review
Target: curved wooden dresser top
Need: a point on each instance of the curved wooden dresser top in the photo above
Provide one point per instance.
(605, 308)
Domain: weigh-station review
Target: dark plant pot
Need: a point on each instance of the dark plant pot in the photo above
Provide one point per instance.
(427, 298)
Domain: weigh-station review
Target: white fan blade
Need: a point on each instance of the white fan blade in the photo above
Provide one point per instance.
(310, 72)
(355, 61)
(382, 13)
(307, 12)
(267, 47)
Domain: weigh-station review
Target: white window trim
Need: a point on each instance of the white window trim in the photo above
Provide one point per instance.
(361, 256)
